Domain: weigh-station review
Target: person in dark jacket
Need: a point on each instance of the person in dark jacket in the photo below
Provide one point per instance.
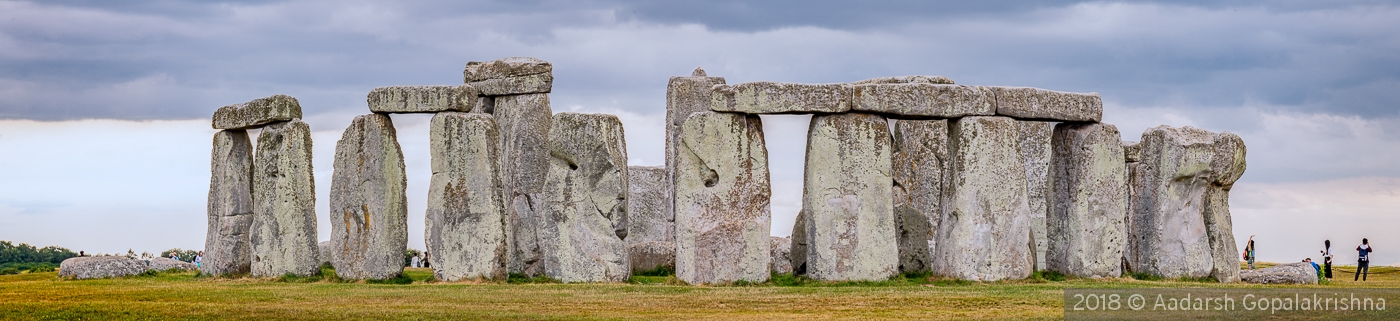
(1363, 260)
(1327, 259)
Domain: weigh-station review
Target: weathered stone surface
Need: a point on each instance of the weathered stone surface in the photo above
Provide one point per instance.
(1227, 165)
(284, 202)
(780, 252)
(722, 198)
(684, 96)
(466, 222)
(584, 220)
(524, 122)
(505, 68)
(527, 84)
(166, 264)
(648, 256)
(985, 233)
(1036, 103)
(422, 99)
(1035, 153)
(919, 169)
(1291, 273)
(369, 210)
(1132, 151)
(766, 97)
(1168, 228)
(97, 267)
(647, 202)
(798, 253)
(906, 80)
(1088, 201)
(1228, 162)
(261, 111)
(1129, 254)
(323, 251)
(226, 245)
(924, 99)
(847, 199)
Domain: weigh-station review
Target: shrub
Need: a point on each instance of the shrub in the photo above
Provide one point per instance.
(9, 270)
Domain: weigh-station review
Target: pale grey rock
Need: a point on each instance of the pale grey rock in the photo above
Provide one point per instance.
(527, 84)
(1036, 103)
(1228, 164)
(985, 233)
(684, 96)
(524, 122)
(1035, 152)
(162, 264)
(505, 68)
(584, 221)
(766, 97)
(1129, 256)
(1088, 201)
(647, 217)
(97, 267)
(919, 170)
(1291, 273)
(323, 251)
(722, 196)
(422, 99)
(847, 199)
(368, 209)
(226, 244)
(1168, 227)
(467, 227)
(259, 112)
(923, 99)
(940, 80)
(798, 252)
(781, 254)
(284, 202)
(646, 256)
(1132, 151)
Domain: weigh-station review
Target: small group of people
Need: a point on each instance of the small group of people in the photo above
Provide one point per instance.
(198, 258)
(1363, 259)
(420, 262)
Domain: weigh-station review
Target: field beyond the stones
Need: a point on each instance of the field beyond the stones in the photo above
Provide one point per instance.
(186, 296)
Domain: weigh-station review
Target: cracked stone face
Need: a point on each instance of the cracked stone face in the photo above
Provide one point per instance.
(985, 233)
(583, 222)
(466, 218)
(368, 209)
(1088, 201)
(226, 246)
(257, 113)
(919, 169)
(523, 121)
(847, 199)
(722, 200)
(283, 233)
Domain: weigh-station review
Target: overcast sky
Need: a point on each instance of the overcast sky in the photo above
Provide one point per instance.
(105, 105)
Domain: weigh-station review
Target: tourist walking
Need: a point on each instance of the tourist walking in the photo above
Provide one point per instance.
(1327, 259)
(1363, 260)
(1249, 252)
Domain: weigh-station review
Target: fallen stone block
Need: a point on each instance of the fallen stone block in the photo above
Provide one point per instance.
(259, 112)
(647, 256)
(162, 264)
(1087, 200)
(1291, 273)
(919, 170)
(97, 267)
(923, 99)
(985, 235)
(722, 196)
(1036, 103)
(467, 227)
(766, 97)
(368, 209)
(584, 221)
(847, 199)
(510, 76)
(226, 244)
(422, 99)
(284, 203)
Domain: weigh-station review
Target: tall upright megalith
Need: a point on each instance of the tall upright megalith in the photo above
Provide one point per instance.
(1168, 221)
(583, 224)
(1088, 199)
(284, 202)
(226, 246)
(985, 232)
(368, 207)
(919, 170)
(684, 96)
(467, 227)
(847, 202)
(1035, 152)
(1227, 164)
(722, 198)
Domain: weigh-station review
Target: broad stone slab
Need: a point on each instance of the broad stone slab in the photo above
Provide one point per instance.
(528, 84)
(647, 256)
(510, 76)
(524, 122)
(906, 80)
(1168, 227)
(166, 264)
(369, 210)
(781, 253)
(584, 224)
(919, 169)
(684, 96)
(422, 99)
(722, 198)
(847, 199)
(1088, 201)
(766, 97)
(924, 99)
(230, 211)
(97, 267)
(284, 202)
(647, 202)
(1035, 152)
(1036, 103)
(261, 111)
(1291, 273)
(985, 234)
(467, 228)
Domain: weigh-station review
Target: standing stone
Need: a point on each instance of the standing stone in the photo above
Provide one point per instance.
(422, 99)
(323, 251)
(919, 169)
(256, 113)
(847, 199)
(684, 96)
(651, 230)
(766, 97)
(1036, 103)
(781, 248)
(284, 203)
(1168, 224)
(226, 247)
(524, 122)
(797, 254)
(1228, 164)
(1088, 201)
(369, 210)
(1035, 151)
(1132, 154)
(510, 76)
(584, 219)
(466, 218)
(985, 233)
(722, 198)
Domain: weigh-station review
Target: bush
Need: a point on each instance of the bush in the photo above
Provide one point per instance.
(9, 270)
(658, 271)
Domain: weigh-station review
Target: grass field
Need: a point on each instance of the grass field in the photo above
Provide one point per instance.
(186, 296)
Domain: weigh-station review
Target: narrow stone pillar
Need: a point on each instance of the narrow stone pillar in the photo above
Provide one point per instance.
(797, 253)
(684, 96)
(1228, 164)
(651, 229)
(847, 199)
(226, 246)
(368, 209)
(466, 219)
(919, 167)
(1168, 219)
(284, 196)
(1088, 201)
(722, 200)
(1035, 151)
(1132, 155)
(524, 122)
(583, 223)
(985, 234)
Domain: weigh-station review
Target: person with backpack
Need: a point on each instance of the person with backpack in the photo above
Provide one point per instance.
(1249, 252)
(1363, 260)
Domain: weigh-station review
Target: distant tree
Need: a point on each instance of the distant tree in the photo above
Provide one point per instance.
(25, 253)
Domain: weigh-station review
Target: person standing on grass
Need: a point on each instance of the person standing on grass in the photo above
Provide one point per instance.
(425, 259)
(1363, 260)
(416, 261)
(199, 259)
(1327, 259)
(1249, 252)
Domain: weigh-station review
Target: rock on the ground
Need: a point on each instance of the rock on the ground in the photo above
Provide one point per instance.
(422, 99)
(284, 203)
(766, 97)
(684, 96)
(226, 244)
(368, 209)
(97, 267)
(166, 264)
(1035, 152)
(647, 203)
(919, 169)
(1228, 164)
(510, 76)
(1088, 201)
(1291, 273)
(847, 199)
(1168, 229)
(722, 199)
(259, 112)
(939, 80)
(1036, 103)
(646, 256)
(985, 234)
(584, 220)
(467, 227)
(781, 253)
(923, 99)
(523, 122)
